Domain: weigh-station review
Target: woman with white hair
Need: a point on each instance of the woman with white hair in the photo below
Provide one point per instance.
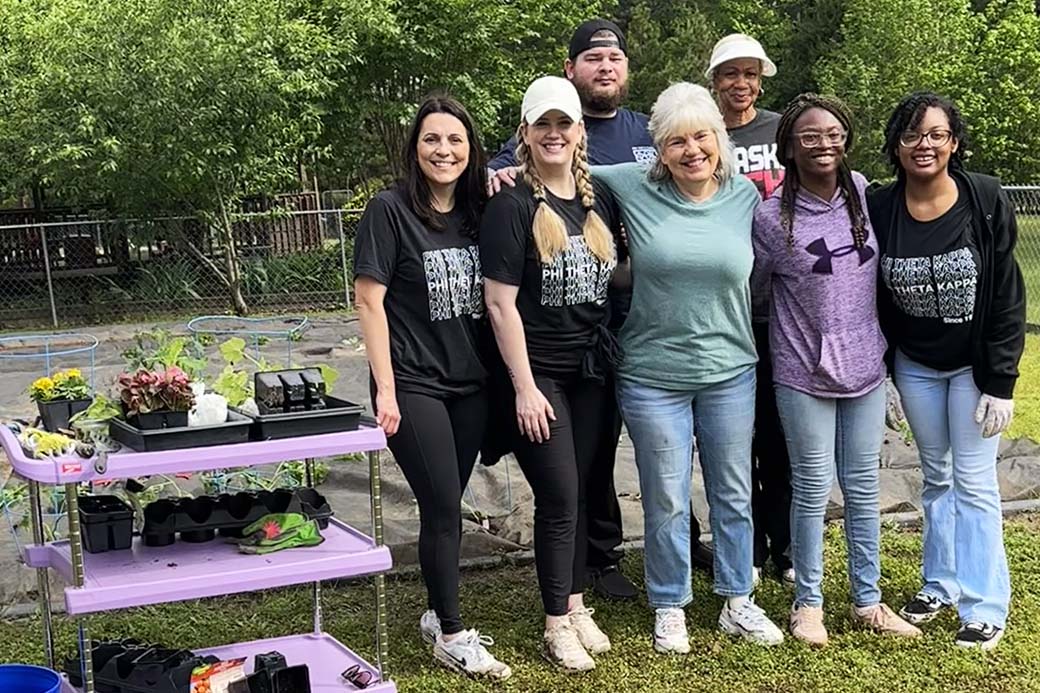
(689, 357)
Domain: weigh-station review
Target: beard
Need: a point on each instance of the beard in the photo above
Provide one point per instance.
(596, 100)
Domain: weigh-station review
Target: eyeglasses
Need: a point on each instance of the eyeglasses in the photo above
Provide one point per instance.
(811, 139)
(358, 677)
(936, 138)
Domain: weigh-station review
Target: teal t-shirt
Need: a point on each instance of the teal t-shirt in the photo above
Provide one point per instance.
(690, 321)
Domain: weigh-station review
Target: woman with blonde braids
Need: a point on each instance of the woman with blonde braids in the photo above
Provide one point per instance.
(548, 254)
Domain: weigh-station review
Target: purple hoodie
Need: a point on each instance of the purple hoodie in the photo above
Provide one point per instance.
(823, 327)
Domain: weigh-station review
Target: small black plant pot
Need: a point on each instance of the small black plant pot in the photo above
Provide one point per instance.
(155, 420)
(108, 523)
(56, 413)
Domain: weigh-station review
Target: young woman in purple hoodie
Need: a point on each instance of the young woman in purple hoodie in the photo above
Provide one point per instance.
(816, 266)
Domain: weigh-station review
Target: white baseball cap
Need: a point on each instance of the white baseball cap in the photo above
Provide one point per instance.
(550, 94)
(739, 46)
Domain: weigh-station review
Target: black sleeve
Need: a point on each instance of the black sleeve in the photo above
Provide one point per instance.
(877, 210)
(506, 156)
(505, 230)
(377, 242)
(1005, 328)
(607, 207)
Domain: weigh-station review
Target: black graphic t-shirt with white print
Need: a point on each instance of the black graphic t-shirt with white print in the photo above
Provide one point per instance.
(931, 269)
(560, 302)
(434, 296)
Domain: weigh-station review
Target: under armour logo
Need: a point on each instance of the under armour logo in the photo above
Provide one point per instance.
(823, 265)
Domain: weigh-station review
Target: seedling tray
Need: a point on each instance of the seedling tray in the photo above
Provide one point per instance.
(234, 430)
(198, 520)
(338, 415)
(55, 414)
(108, 523)
(131, 667)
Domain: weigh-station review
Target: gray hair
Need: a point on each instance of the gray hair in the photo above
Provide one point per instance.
(684, 108)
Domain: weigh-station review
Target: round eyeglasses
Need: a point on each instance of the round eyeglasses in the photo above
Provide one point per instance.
(934, 138)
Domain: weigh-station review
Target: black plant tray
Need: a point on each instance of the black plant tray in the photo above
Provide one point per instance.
(56, 413)
(338, 415)
(108, 523)
(234, 430)
(198, 520)
(128, 666)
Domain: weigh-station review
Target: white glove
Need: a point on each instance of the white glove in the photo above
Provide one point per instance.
(895, 417)
(994, 414)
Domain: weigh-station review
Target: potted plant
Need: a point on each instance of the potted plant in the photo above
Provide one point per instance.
(156, 399)
(59, 396)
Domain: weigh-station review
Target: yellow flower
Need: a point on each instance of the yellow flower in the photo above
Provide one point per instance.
(43, 383)
(73, 373)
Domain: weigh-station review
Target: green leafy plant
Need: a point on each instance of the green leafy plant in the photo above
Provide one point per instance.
(158, 348)
(147, 391)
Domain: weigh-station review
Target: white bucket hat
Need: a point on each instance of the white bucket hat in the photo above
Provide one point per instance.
(550, 94)
(739, 46)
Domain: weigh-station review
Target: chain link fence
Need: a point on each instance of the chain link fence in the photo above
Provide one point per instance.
(1026, 200)
(82, 271)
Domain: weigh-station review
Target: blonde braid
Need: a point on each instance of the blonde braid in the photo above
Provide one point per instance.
(594, 230)
(550, 233)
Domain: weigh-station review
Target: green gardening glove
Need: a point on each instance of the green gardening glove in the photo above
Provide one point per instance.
(279, 531)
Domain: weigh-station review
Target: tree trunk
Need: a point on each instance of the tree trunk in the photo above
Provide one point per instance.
(232, 263)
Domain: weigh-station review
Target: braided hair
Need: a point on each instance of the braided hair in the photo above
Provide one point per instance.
(789, 190)
(909, 114)
(550, 232)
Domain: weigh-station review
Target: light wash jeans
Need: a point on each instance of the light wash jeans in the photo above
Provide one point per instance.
(662, 424)
(964, 559)
(824, 434)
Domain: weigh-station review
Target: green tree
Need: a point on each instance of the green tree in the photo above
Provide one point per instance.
(891, 48)
(162, 106)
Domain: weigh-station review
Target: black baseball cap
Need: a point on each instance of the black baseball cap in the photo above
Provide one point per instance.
(582, 39)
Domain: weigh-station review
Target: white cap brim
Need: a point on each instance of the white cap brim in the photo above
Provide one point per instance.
(539, 109)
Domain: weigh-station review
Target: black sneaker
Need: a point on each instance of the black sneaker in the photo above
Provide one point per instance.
(701, 558)
(984, 636)
(610, 583)
(922, 608)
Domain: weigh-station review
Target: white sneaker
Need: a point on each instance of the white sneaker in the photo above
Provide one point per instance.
(430, 626)
(561, 646)
(594, 640)
(670, 636)
(749, 622)
(467, 654)
(788, 577)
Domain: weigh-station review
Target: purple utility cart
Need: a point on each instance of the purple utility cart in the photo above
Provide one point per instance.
(147, 575)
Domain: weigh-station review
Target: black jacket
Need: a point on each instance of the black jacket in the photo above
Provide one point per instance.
(998, 324)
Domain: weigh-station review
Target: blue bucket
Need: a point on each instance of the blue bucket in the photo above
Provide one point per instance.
(24, 678)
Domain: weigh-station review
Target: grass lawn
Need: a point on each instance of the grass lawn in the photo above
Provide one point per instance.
(504, 603)
(1027, 252)
(1027, 391)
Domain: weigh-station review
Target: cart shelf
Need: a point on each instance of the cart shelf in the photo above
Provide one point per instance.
(157, 575)
(128, 464)
(324, 655)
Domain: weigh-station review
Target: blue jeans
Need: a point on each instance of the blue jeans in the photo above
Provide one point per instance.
(662, 424)
(964, 559)
(824, 434)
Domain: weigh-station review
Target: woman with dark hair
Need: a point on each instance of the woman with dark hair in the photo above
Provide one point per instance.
(420, 302)
(548, 255)
(816, 267)
(952, 304)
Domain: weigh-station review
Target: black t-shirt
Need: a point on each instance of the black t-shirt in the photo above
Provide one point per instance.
(618, 139)
(562, 302)
(754, 145)
(434, 297)
(931, 269)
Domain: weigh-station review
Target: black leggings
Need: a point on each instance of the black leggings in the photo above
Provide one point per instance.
(436, 447)
(557, 470)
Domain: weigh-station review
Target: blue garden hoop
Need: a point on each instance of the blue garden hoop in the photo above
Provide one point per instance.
(254, 329)
(48, 347)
